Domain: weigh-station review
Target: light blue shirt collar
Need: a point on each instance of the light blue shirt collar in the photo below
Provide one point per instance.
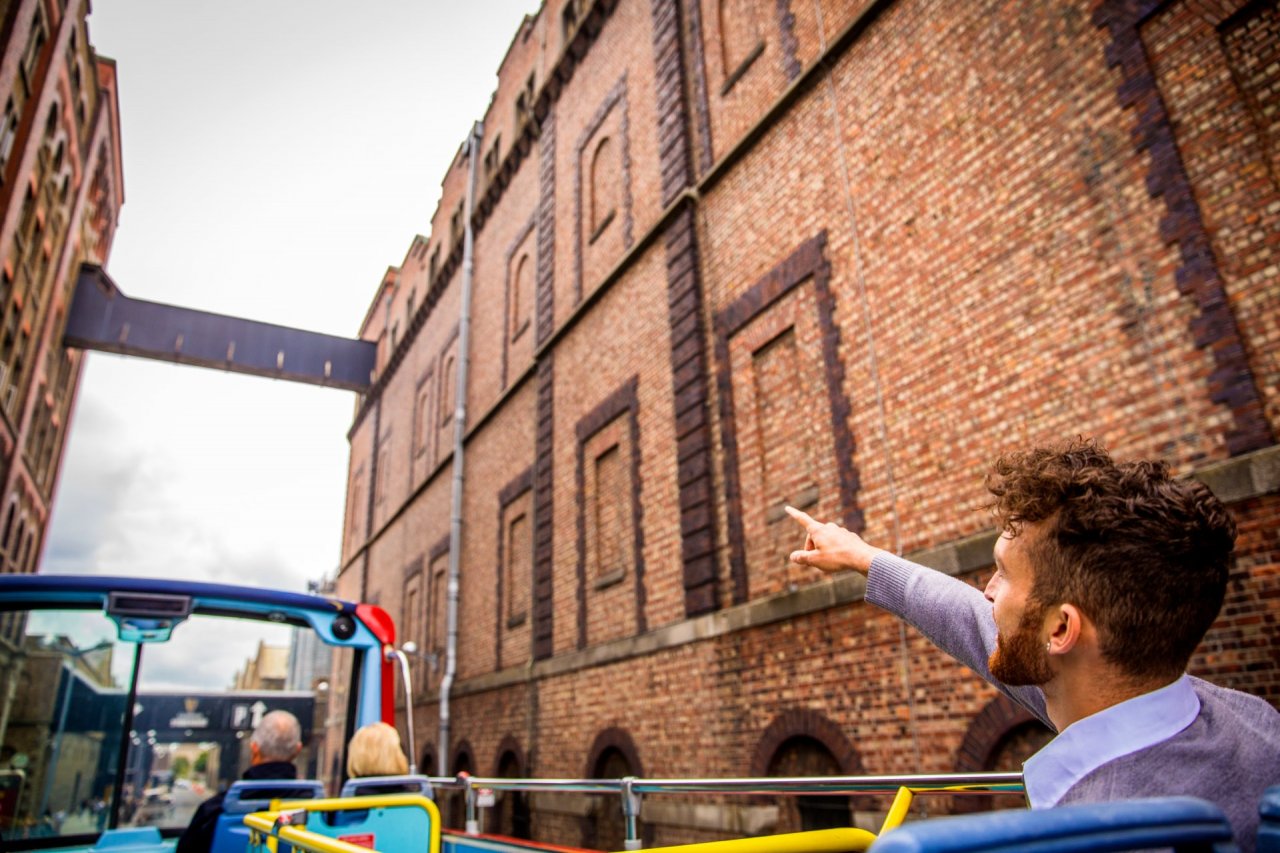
(1120, 730)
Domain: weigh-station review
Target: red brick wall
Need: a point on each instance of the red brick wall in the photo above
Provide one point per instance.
(908, 236)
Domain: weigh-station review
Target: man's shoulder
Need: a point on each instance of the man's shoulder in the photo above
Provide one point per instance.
(1224, 705)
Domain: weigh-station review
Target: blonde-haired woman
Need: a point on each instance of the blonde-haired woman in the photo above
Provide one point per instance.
(375, 751)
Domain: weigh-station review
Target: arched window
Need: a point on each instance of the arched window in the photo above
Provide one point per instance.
(604, 186)
(612, 756)
(1001, 737)
(457, 808)
(511, 812)
(806, 756)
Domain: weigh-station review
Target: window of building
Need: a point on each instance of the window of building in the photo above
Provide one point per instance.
(455, 224)
(612, 505)
(384, 469)
(353, 505)
(447, 380)
(569, 20)
(35, 43)
(435, 265)
(524, 104)
(423, 414)
(603, 202)
(521, 296)
(493, 159)
(740, 40)
(8, 133)
(519, 555)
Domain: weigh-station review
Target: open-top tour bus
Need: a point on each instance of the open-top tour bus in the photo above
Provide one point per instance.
(120, 714)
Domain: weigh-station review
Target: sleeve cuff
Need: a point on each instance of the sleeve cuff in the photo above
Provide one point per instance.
(887, 581)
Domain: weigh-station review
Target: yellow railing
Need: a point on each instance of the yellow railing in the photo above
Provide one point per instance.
(288, 821)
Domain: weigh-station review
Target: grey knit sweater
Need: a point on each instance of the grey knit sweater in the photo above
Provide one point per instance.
(1228, 755)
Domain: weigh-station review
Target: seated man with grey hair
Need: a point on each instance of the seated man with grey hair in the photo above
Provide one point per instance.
(274, 745)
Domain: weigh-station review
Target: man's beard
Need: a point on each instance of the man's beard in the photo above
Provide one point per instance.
(1020, 660)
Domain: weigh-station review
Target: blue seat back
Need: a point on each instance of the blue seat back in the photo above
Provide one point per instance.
(1269, 825)
(231, 835)
(381, 823)
(1177, 822)
(387, 785)
(144, 839)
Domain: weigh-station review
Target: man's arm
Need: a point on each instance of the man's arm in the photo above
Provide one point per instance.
(953, 615)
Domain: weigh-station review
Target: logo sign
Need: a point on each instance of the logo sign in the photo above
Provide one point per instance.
(190, 718)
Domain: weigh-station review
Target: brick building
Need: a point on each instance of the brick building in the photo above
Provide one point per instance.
(731, 254)
(61, 188)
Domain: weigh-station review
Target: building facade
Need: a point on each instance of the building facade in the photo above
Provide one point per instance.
(732, 255)
(61, 188)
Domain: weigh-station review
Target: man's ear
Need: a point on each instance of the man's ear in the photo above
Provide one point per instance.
(1064, 625)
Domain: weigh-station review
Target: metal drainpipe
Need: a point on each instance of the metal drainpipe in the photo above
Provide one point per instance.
(459, 434)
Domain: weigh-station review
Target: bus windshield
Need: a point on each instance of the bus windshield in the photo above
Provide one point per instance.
(97, 733)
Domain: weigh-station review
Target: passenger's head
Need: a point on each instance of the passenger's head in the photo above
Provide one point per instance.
(277, 738)
(375, 751)
(1144, 556)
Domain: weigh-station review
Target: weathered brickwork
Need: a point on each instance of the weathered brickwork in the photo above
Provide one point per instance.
(732, 254)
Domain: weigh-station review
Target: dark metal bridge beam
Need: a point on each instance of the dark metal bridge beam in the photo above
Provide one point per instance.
(104, 319)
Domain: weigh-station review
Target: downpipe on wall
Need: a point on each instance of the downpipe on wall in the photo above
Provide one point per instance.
(459, 436)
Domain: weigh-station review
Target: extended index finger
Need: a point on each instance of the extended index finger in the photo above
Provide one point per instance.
(802, 518)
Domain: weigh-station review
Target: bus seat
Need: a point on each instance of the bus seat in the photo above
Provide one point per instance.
(377, 821)
(365, 785)
(144, 839)
(230, 834)
(1183, 823)
(1269, 826)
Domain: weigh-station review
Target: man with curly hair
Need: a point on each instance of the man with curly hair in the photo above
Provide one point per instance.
(1107, 576)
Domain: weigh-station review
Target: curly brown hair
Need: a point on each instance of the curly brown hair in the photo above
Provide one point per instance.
(1143, 554)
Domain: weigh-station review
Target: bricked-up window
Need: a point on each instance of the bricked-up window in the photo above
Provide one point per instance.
(1251, 41)
(521, 296)
(439, 603)
(423, 415)
(409, 622)
(788, 457)
(612, 515)
(448, 380)
(520, 568)
(354, 513)
(604, 186)
(740, 41)
(384, 469)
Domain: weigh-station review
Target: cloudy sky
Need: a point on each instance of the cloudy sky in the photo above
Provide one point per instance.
(278, 157)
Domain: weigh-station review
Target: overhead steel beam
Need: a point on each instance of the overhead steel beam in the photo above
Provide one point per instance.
(104, 319)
